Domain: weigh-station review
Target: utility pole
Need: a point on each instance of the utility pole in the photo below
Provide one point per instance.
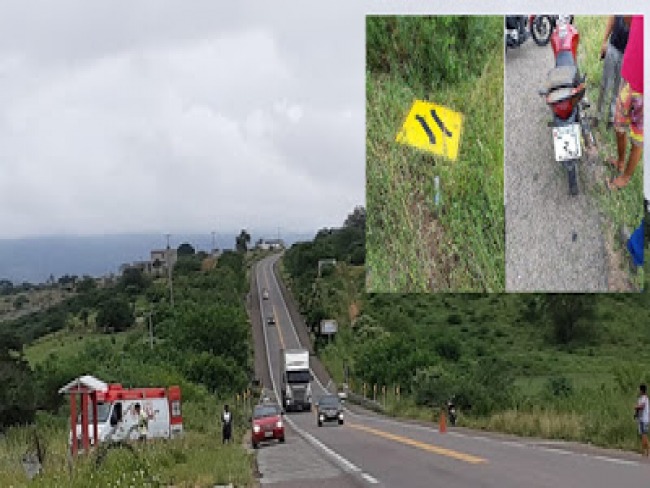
(169, 272)
(149, 314)
(213, 244)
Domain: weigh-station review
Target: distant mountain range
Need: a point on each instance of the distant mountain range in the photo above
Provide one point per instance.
(34, 259)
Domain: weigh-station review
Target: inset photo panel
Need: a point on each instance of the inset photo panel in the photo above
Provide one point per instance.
(434, 154)
(573, 153)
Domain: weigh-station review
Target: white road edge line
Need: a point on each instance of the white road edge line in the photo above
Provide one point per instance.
(347, 465)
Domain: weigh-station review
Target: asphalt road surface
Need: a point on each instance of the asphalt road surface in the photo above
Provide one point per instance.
(554, 241)
(371, 450)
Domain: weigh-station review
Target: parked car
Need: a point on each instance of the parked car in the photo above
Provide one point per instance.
(270, 320)
(267, 424)
(329, 409)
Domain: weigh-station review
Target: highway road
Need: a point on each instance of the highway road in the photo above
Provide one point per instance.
(371, 450)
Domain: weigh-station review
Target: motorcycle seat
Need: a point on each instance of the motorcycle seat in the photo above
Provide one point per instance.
(559, 95)
(562, 77)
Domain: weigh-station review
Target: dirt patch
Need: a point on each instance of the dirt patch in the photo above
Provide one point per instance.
(353, 311)
(434, 254)
(618, 266)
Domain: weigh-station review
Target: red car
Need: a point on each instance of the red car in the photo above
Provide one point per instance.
(267, 424)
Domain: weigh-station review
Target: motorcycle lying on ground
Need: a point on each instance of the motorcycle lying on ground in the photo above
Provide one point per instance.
(564, 94)
(518, 28)
(516, 32)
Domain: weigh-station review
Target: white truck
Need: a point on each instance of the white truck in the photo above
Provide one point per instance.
(296, 379)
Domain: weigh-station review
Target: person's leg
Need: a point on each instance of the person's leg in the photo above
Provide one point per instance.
(635, 111)
(621, 123)
(606, 82)
(617, 57)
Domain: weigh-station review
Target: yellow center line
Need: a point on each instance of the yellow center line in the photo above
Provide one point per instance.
(468, 458)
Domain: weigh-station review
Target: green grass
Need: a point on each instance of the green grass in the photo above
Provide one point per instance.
(624, 207)
(197, 459)
(410, 246)
(69, 343)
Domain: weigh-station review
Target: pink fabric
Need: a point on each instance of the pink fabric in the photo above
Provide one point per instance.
(632, 69)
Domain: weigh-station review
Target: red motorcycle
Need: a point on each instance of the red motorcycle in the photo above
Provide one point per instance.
(564, 94)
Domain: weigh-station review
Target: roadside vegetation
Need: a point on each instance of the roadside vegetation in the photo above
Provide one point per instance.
(414, 245)
(550, 365)
(624, 207)
(202, 344)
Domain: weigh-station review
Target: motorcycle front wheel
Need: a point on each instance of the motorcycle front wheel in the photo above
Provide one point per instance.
(541, 30)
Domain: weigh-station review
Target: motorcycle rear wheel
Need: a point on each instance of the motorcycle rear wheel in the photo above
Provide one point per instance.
(541, 30)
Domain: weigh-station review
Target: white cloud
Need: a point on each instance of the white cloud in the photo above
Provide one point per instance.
(175, 133)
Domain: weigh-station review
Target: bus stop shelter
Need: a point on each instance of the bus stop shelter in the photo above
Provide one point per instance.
(85, 387)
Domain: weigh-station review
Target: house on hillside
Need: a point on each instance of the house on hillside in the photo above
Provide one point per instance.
(161, 260)
(270, 244)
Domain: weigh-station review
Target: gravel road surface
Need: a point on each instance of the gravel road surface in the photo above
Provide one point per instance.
(554, 241)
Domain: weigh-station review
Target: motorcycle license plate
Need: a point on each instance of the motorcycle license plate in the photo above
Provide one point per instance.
(567, 142)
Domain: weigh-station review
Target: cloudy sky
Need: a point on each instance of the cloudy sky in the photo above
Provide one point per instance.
(187, 116)
(170, 116)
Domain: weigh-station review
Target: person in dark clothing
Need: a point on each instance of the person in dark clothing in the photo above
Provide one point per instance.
(226, 421)
(611, 51)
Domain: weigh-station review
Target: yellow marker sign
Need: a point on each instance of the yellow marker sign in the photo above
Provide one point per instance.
(432, 128)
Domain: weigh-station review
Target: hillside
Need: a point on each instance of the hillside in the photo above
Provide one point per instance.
(201, 343)
(558, 366)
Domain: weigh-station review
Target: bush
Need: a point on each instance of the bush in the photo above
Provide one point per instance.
(560, 386)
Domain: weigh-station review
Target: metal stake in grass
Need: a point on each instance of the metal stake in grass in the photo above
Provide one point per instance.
(436, 194)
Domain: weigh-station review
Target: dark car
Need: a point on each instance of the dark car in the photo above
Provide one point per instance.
(329, 409)
(270, 320)
(267, 424)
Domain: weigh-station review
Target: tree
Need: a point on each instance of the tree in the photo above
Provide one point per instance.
(6, 287)
(571, 316)
(115, 314)
(185, 249)
(20, 302)
(86, 284)
(17, 396)
(134, 281)
(242, 241)
(357, 219)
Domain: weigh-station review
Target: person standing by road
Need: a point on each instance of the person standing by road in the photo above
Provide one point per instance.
(642, 415)
(226, 421)
(616, 33)
(629, 107)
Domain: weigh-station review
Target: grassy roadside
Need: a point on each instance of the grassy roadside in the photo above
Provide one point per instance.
(202, 345)
(197, 459)
(625, 207)
(410, 246)
(581, 392)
